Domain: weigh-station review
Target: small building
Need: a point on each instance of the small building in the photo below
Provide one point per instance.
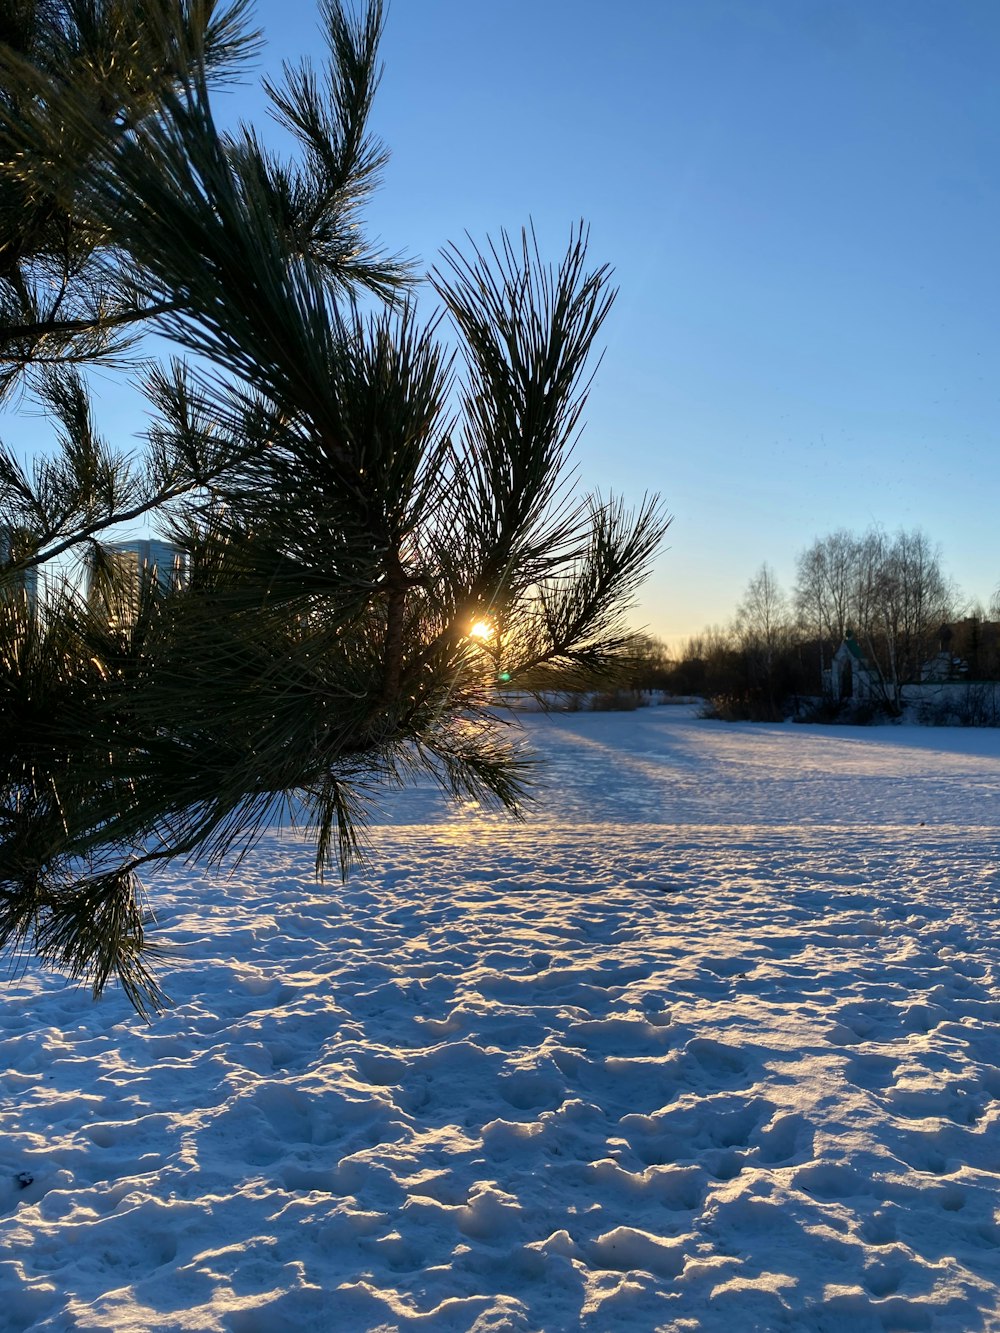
(851, 676)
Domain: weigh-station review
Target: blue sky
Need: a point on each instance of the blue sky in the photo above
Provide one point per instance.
(801, 203)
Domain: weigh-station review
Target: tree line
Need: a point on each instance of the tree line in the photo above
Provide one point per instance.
(888, 591)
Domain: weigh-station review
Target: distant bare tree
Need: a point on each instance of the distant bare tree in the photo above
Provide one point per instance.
(762, 616)
(762, 627)
(825, 578)
(867, 585)
(914, 599)
(647, 666)
(890, 592)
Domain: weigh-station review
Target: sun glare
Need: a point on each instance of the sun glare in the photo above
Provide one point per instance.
(482, 629)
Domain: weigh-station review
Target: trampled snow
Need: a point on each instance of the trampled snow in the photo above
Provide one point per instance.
(709, 1043)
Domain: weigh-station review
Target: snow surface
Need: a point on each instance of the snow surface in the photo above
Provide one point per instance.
(709, 1044)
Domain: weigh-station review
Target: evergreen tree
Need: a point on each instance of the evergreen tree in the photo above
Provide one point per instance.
(352, 492)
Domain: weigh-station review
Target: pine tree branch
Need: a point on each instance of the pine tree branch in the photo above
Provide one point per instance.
(67, 327)
(51, 547)
(356, 513)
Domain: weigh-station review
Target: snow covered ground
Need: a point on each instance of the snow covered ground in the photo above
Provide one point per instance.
(711, 1043)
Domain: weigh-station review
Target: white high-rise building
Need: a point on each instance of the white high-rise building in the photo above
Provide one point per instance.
(25, 580)
(132, 562)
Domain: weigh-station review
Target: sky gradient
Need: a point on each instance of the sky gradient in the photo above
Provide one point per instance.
(800, 201)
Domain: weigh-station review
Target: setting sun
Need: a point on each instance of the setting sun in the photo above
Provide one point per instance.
(482, 629)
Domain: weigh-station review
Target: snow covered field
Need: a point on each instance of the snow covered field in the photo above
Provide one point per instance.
(710, 1043)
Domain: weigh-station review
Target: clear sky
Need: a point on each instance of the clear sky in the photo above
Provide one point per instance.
(801, 202)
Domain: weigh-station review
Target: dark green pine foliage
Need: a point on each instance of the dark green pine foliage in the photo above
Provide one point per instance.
(353, 487)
